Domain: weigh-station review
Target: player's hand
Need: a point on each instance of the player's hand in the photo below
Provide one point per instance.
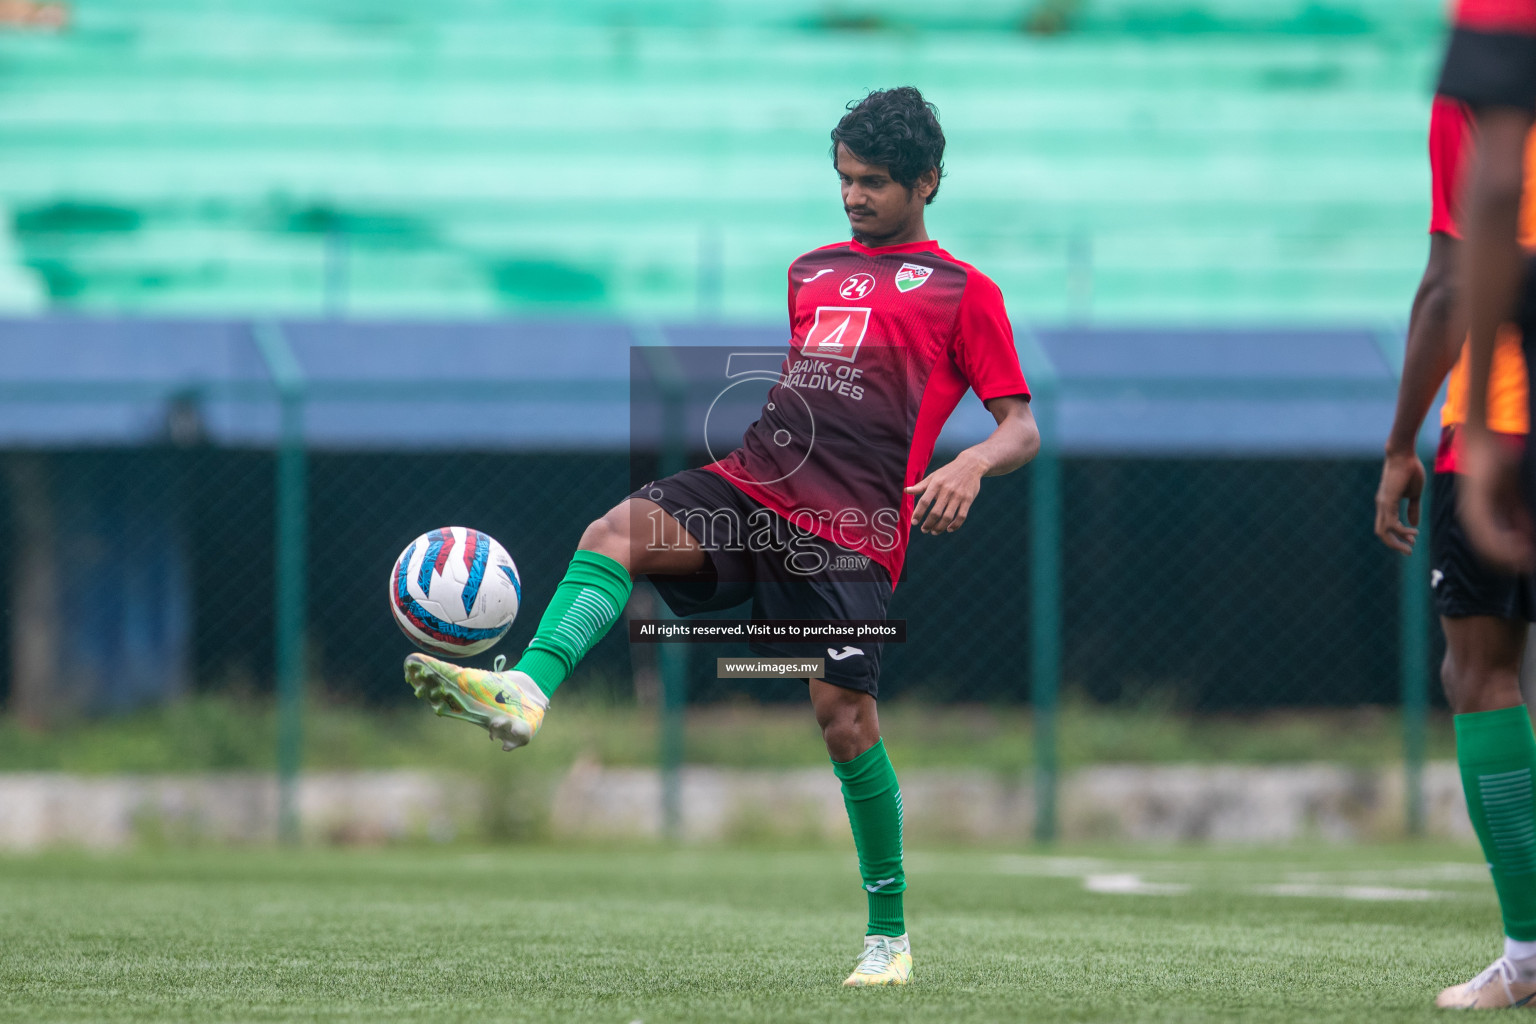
(945, 495)
(1402, 476)
(1492, 509)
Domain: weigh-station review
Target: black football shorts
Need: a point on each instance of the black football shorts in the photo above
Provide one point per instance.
(756, 555)
(1463, 585)
(1490, 69)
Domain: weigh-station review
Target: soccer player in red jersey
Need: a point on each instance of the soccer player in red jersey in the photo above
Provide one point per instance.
(1490, 65)
(809, 517)
(1484, 611)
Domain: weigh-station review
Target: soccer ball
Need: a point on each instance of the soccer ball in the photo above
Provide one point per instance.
(454, 591)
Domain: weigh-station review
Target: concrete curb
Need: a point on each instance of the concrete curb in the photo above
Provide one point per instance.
(1183, 803)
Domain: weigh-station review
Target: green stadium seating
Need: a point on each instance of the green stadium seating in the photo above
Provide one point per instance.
(1157, 161)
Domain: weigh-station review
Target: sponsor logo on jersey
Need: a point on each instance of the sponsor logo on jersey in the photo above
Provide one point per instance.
(911, 275)
(837, 332)
(856, 286)
(823, 270)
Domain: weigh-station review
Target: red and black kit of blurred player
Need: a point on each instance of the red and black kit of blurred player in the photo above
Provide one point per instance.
(1463, 584)
(1490, 65)
(1491, 60)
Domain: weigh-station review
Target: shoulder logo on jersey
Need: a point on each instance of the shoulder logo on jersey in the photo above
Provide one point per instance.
(911, 275)
(856, 286)
(837, 332)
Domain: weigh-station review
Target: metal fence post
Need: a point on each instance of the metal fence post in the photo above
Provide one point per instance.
(1044, 584)
(1413, 667)
(1412, 623)
(671, 658)
(289, 556)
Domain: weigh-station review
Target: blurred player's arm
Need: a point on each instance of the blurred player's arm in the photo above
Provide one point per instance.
(945, 495)
(1492, 511)
(1434, 343)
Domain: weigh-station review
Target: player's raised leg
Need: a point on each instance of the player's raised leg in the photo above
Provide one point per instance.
(851, 728)
(635, 537)
(1496, 751)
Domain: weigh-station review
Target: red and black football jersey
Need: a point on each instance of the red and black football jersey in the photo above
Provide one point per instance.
(1491, 59)
(1516, 16)
(883, 344)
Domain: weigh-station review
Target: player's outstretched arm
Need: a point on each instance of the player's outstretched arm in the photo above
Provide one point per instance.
(1434, 343)
(944, 496)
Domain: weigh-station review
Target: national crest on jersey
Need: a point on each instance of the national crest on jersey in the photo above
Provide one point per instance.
(911, 275)
(879, 355)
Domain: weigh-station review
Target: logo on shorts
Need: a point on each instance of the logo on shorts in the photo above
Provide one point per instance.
(1434, 578)
(837, 332)
(846, 652)
(911, 275)
(856, 286)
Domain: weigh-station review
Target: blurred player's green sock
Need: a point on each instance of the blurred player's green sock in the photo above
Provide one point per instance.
(1497, 754)
(873, 800)
(588, 601)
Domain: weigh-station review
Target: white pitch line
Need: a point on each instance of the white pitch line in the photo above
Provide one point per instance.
(1131, 885)
(1049, 867)
(1370, 893)
(1452, 873)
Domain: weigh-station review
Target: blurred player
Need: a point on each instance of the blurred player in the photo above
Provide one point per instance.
(1491, 67)
(1483, 610)
(809, 518)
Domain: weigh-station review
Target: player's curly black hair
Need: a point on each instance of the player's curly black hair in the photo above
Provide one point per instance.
(897, 129)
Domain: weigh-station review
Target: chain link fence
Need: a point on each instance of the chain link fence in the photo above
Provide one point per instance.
(144, 517)
(1215, 585)
(1200, 585)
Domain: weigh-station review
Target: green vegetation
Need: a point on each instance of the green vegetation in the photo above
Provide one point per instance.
(584, 935)
(221, 733)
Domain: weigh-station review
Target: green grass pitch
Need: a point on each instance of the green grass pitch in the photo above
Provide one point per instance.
(717, 935)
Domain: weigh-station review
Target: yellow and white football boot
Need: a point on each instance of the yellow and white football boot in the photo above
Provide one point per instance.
(506, 703)
(885, 961)
(1500, 987)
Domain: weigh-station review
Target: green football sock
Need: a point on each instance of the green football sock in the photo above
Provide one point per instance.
(873, 800)
(1497, 754)
(587, 603)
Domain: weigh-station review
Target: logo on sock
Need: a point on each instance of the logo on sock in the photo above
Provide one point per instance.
(880, 884)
